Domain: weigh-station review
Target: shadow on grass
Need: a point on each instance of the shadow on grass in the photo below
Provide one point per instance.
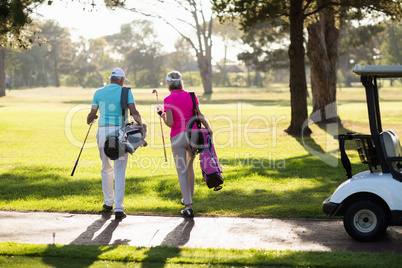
(180, 235)
(40, 182)
(240, 190)
(103, 238)
(278, 198)
(332, 128)
(88, 238)
(154, 256)
(169, 247)
(78, 256)
(270, 194)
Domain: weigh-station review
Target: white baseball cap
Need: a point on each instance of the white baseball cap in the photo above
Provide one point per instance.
(118, 72)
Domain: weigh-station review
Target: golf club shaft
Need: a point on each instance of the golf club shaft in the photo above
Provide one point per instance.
(160, 121)
(76, 162)
(163, 139)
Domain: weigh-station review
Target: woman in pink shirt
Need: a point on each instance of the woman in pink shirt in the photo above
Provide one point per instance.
(178, 110)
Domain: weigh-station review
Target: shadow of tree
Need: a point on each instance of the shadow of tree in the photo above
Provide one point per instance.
(258, 196)
(340, 129)
(40, 183)
(389, 242)
(158, 256)
(53, 258)
(35, 184)
(273, 198)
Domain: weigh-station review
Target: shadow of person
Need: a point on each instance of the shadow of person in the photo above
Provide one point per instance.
(105, 237)
(87, 236)
(180, 235)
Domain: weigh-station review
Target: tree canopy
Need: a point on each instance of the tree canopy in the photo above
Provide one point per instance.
(298, 13)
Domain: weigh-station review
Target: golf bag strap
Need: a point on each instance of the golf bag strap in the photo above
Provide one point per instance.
(195, 111)
(124, 99)
(198, 123)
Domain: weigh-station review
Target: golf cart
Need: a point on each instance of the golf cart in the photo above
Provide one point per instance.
(371, 200)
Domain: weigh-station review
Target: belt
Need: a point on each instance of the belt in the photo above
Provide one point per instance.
(109, 125)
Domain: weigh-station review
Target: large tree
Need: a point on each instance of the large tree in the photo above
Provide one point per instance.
(268, 48)
(189, 19)
(229, 35)
(14, 19)
(392, 46)
(181, 59)
(42, 65)
(140, 51)
(324, 29)
(15, 22)
(92, 56)
(249, 13)
(60, 51)
(322, 51)
(359, 45)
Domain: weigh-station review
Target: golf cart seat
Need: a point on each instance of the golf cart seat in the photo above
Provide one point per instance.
(392, 152)
(390, 142)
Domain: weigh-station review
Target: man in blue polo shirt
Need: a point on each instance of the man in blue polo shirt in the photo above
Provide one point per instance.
(107, 101)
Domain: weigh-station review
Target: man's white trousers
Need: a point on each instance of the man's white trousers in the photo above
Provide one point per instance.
(115, 197)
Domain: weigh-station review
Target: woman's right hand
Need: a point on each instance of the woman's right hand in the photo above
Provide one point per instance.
(159, 110)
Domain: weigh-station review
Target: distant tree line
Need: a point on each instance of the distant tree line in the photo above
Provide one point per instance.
(57, 60)
(324, 36)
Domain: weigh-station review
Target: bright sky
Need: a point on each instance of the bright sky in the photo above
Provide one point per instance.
(103, 21)
(92, 24)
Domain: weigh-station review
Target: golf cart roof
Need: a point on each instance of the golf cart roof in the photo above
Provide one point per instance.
(379, 71)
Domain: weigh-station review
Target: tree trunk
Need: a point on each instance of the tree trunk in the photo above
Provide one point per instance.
(191, 78)
(323, 47)
(204, 51)
(297, 83)
(205, 66)
(2, 71)
(248, 76)
(204, 56)
(258, 79)
(56, 73)
(224, 74)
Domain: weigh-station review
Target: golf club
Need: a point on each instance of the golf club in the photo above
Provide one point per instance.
(160, 121)
(76, 163)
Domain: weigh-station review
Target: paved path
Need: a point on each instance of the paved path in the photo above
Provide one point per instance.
(203, 232)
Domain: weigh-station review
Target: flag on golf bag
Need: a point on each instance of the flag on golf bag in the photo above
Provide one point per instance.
(209, 163)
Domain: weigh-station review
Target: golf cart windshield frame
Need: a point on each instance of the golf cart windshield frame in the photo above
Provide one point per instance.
(371, 151)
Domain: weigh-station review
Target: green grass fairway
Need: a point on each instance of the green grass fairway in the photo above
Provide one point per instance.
(24, 255)
(267, 173)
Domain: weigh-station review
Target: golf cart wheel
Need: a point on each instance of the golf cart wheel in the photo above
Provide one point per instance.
(365, 221)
